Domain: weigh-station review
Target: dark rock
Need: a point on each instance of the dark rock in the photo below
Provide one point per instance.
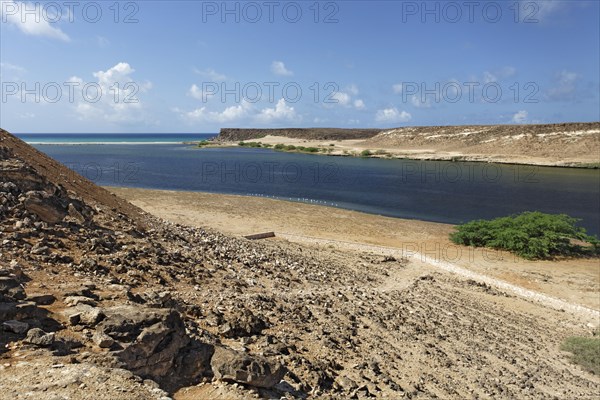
(15, 326)
(42, 299)
(231, 365)
(11, 289)
(242, 324)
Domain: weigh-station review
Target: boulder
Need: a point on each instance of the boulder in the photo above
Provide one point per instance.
(11, 289)
(40, 338)
(15, 326)
(42, 299)
(231, 365)
(83, 314)
(242, 323)
(102, 340)
(75, 214)
(48, 209)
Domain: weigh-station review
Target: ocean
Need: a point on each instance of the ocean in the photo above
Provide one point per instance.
(450, 192)
(110, 138)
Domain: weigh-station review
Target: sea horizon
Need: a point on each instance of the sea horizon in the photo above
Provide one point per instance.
(112, 138)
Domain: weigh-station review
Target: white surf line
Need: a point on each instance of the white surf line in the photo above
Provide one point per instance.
(546, 300)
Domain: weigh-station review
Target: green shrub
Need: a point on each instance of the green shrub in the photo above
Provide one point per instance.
(291, 147)
(586, 352)
(531, 235)
(203, 143)
(311, 150)
(279, 146)
(250, 144)
(366, 153)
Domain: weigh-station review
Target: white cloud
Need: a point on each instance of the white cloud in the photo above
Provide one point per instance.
(196, 92)
(229, 114)
(345, 98)
(244, 111)
(565, 86)
(488, 77)
(34, 23)
(540, 9)
(10, 72)
(359, 104)
(507, 72)
(392, 115)
(278, 68)
(26, 115)
(119, 99)
(342, 98)
(520, 117)
(498, 74)
(417, 101)
(102, 41)
(114, 74)
(211, 74)
(281, 112)
(398, 88)
(11, 67)
(353, 89)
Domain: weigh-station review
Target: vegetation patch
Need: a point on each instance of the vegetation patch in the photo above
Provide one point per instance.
(203, 143)
(300, 149)
(366, 153)
(251, 144)
(531, 235)
(586, 351)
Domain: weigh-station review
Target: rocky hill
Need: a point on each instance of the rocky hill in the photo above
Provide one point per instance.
(238, 134)
(566, 142)
(101, 300)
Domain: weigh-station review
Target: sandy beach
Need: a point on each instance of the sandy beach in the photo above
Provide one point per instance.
(576, 281)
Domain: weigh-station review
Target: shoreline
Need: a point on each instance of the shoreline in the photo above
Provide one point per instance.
(573, 280)
(355, 148)
(433, 157)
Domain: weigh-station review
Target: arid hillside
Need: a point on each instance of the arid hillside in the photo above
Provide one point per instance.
(568, 144)
(237, 134)
(555, 142)
(99, 299)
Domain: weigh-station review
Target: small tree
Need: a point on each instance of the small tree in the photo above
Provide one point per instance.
(532, 235)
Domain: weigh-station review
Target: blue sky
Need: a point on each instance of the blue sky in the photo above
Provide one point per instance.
(197, 66)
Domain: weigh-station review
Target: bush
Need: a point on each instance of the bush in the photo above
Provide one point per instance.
(203, 143)
(586, 352)
(279, 146)
(366, 153)
(250, 144)
(531, 235)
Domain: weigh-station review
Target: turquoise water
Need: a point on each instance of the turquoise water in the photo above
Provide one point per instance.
(451, 192)
(106, 138)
